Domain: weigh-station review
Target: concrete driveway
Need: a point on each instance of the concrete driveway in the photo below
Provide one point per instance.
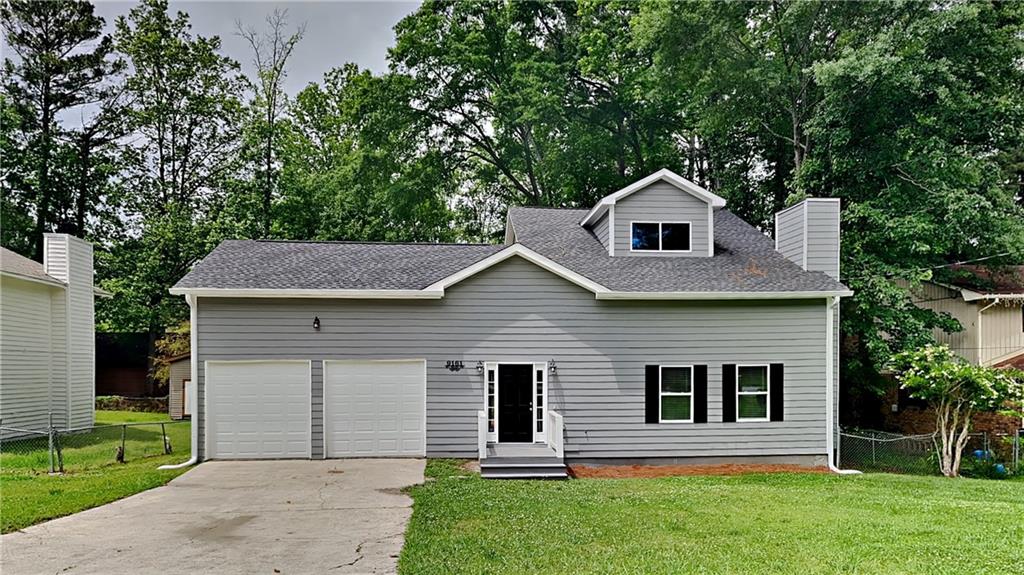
(336, 516)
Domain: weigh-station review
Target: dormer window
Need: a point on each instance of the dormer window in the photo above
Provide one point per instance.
(660, 236)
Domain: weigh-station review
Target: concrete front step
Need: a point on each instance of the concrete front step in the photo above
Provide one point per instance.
(524, 472)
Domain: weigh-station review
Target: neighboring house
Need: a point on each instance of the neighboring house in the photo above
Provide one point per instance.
(122, 364)
(178, 383)
(655, 327)
(989, 304)
(47, 339)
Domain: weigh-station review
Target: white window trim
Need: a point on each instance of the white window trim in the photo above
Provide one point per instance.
(767, 393)
(689, 234)
(662, 393)
(542, 366)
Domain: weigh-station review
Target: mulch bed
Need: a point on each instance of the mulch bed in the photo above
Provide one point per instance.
(633, 471)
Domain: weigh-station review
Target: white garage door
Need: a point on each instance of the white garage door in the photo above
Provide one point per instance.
(374, 408)
(258, 409)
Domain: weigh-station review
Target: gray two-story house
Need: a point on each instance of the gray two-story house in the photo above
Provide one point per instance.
(655, 327)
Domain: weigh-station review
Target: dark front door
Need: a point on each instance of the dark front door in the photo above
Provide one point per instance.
(515, 403)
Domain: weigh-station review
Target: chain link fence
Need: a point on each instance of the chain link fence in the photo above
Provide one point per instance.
(986, 454)
(26, 451)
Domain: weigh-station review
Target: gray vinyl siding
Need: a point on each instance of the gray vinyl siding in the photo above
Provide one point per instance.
(815, 248)
(517, 312)
(823, 237)
(178, 372)
(789, 233)
(662, 202)
(600, 229)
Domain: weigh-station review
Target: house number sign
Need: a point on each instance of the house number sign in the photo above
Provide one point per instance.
(454, 365)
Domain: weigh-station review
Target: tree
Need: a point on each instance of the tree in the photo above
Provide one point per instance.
(271, 51)
(63, 62)
(175, 342)
(184, 117)
(957, 390)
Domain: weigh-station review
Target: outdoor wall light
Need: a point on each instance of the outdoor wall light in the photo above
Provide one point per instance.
(316, 323)
(479, 367)
(552, 367)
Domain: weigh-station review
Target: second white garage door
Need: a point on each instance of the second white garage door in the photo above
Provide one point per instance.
(374, 408)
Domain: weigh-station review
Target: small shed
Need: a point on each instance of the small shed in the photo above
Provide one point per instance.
(180, 368)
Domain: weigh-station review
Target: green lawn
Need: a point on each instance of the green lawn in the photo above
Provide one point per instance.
(29, 495)
(783, 523)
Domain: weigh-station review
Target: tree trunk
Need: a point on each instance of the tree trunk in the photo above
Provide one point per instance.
(43, 172)
(84, 159)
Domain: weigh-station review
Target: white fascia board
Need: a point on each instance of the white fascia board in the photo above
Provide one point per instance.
(525, 253)
(309, 293)
(34, 279)
(720, 295)
(663, 175)
(975, 296)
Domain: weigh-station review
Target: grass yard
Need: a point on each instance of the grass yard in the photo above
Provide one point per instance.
(29, 495)
(781, 523)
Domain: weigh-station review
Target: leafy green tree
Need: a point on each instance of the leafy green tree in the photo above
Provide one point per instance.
(63, 62)
(271, 50)
(184, 118)
(957, 390)
(906, 137)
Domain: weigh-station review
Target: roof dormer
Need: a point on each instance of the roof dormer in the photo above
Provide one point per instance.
(663, 214)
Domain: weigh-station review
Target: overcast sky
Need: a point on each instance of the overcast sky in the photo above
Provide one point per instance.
(336, 32)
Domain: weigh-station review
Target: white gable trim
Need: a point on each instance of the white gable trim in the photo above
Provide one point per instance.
(525, 253)
(659, 176)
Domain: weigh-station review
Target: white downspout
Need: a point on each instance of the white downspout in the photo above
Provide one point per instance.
(830, 371)
(191, 392)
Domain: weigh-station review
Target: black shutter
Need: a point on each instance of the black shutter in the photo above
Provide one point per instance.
(729, 392)
(776, 392)
(700, 394)
(651, 385)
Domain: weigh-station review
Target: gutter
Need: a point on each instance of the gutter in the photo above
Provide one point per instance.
(193, 303)
(831, 303)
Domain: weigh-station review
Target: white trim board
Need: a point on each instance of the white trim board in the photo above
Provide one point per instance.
(660, 176)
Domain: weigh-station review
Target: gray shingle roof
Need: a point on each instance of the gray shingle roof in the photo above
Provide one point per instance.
(255, 264)
(745, 260)
(13, 263)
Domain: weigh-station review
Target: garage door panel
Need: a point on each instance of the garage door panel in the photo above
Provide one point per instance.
(374, 409)
(258, 409)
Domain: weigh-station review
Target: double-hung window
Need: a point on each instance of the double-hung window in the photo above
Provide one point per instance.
(752, 385)
(676, 394)
(660, 236)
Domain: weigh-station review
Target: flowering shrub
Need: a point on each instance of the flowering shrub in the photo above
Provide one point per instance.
(957, 390)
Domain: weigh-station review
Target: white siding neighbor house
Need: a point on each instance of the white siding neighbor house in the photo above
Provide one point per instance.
(47, 337)
(989, 304)
(657, 327)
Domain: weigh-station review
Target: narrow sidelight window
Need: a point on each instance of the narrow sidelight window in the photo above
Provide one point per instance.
(752, 392)
(676, 392)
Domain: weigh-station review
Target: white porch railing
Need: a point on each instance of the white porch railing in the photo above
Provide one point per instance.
(556, 431)
(481, 434)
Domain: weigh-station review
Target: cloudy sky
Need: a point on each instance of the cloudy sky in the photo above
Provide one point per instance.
(336, 32)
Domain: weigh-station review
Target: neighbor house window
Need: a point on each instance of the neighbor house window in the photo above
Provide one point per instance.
(752, 383)
(676, 385)
(660, 236)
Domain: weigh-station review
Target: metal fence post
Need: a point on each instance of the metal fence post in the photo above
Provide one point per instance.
(167, 444)
(50, 437)
(60, 454)
(873, 462)
(120, 453)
